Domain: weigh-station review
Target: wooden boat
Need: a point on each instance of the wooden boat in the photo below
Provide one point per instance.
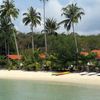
(60, 73)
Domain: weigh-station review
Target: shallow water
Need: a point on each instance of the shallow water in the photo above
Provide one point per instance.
(37, 90)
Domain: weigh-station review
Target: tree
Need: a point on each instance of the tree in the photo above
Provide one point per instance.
(5, 30)
(72, 13)
(46, 47)
(9, 11)
(51, 26)
(33, 18)
(4, 27)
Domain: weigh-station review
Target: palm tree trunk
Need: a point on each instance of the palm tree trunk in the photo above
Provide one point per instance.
(16, 43)
(33, 48)
(76, 45)
(16, 46)
(75, 38)
(5, 46)
(46, 48)
(8, 51)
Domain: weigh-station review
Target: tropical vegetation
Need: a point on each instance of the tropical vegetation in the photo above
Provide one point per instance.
(32, 18)
(63, 50)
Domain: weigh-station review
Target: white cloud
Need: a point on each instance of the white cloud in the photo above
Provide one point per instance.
(1, 1)
(89, 24)
(53, 10)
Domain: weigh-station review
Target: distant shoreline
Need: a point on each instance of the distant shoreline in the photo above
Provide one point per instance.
(74, 78)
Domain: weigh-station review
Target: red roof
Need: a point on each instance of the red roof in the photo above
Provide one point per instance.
(98, 57)
(14, 57)
(84, 53)
(42, 56)
(96, 51)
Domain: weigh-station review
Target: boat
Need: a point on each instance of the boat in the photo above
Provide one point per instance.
(91, 73)
(60, 73)
(83, 73)
(98, 74)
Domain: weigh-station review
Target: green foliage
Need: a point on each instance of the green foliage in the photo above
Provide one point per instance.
(91, 56)
(8, 11)
(3, 61)
(61, 48)
(51, 26)
(32, 17)
(32, 61)
(72, 14)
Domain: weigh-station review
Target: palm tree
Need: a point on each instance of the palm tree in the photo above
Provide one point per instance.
(6, 32)
(9, 11)
(72, 14)
(51, 26)
(33, 18)
(44, 2)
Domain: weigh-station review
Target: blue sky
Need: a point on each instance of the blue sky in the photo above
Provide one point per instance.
(90, 23)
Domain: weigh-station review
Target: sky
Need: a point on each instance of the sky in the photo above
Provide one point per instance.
(89, 24)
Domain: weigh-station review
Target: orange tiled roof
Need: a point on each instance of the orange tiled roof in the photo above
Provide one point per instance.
(84, 53)
(96, 51)
(14, 57)
(98, 57)
(42, 56)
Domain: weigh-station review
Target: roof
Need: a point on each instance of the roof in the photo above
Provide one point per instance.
(98, 57)
(84, 53)
(96, 51)
(42, 56)
(14, 57)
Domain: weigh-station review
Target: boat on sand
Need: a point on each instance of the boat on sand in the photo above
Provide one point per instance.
(60, 73)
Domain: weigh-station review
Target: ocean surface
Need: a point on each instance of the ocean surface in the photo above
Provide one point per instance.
(39, 90)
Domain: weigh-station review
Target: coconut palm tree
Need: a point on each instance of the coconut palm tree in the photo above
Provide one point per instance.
(33, 18)
(72, 14)
(6, 32)
(51, 26)
(44, 2)
(9, 11)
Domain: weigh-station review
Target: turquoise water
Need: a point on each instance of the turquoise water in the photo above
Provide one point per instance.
(37, 90)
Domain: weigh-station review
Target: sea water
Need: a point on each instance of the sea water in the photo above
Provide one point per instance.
(39, 90)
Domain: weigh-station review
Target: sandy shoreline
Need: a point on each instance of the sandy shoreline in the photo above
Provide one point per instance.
(47, 76)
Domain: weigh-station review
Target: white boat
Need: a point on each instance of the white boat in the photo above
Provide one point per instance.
(83, 73)
(92, 73)
(98, 74)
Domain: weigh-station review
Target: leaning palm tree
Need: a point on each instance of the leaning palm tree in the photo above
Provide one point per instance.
(51, 26)
(33, 18)
(72, 14)
(9, 11)
(44, 2)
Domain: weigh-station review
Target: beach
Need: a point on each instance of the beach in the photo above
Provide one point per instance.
(47, 76)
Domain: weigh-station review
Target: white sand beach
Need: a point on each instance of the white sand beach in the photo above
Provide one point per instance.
(47, 76)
